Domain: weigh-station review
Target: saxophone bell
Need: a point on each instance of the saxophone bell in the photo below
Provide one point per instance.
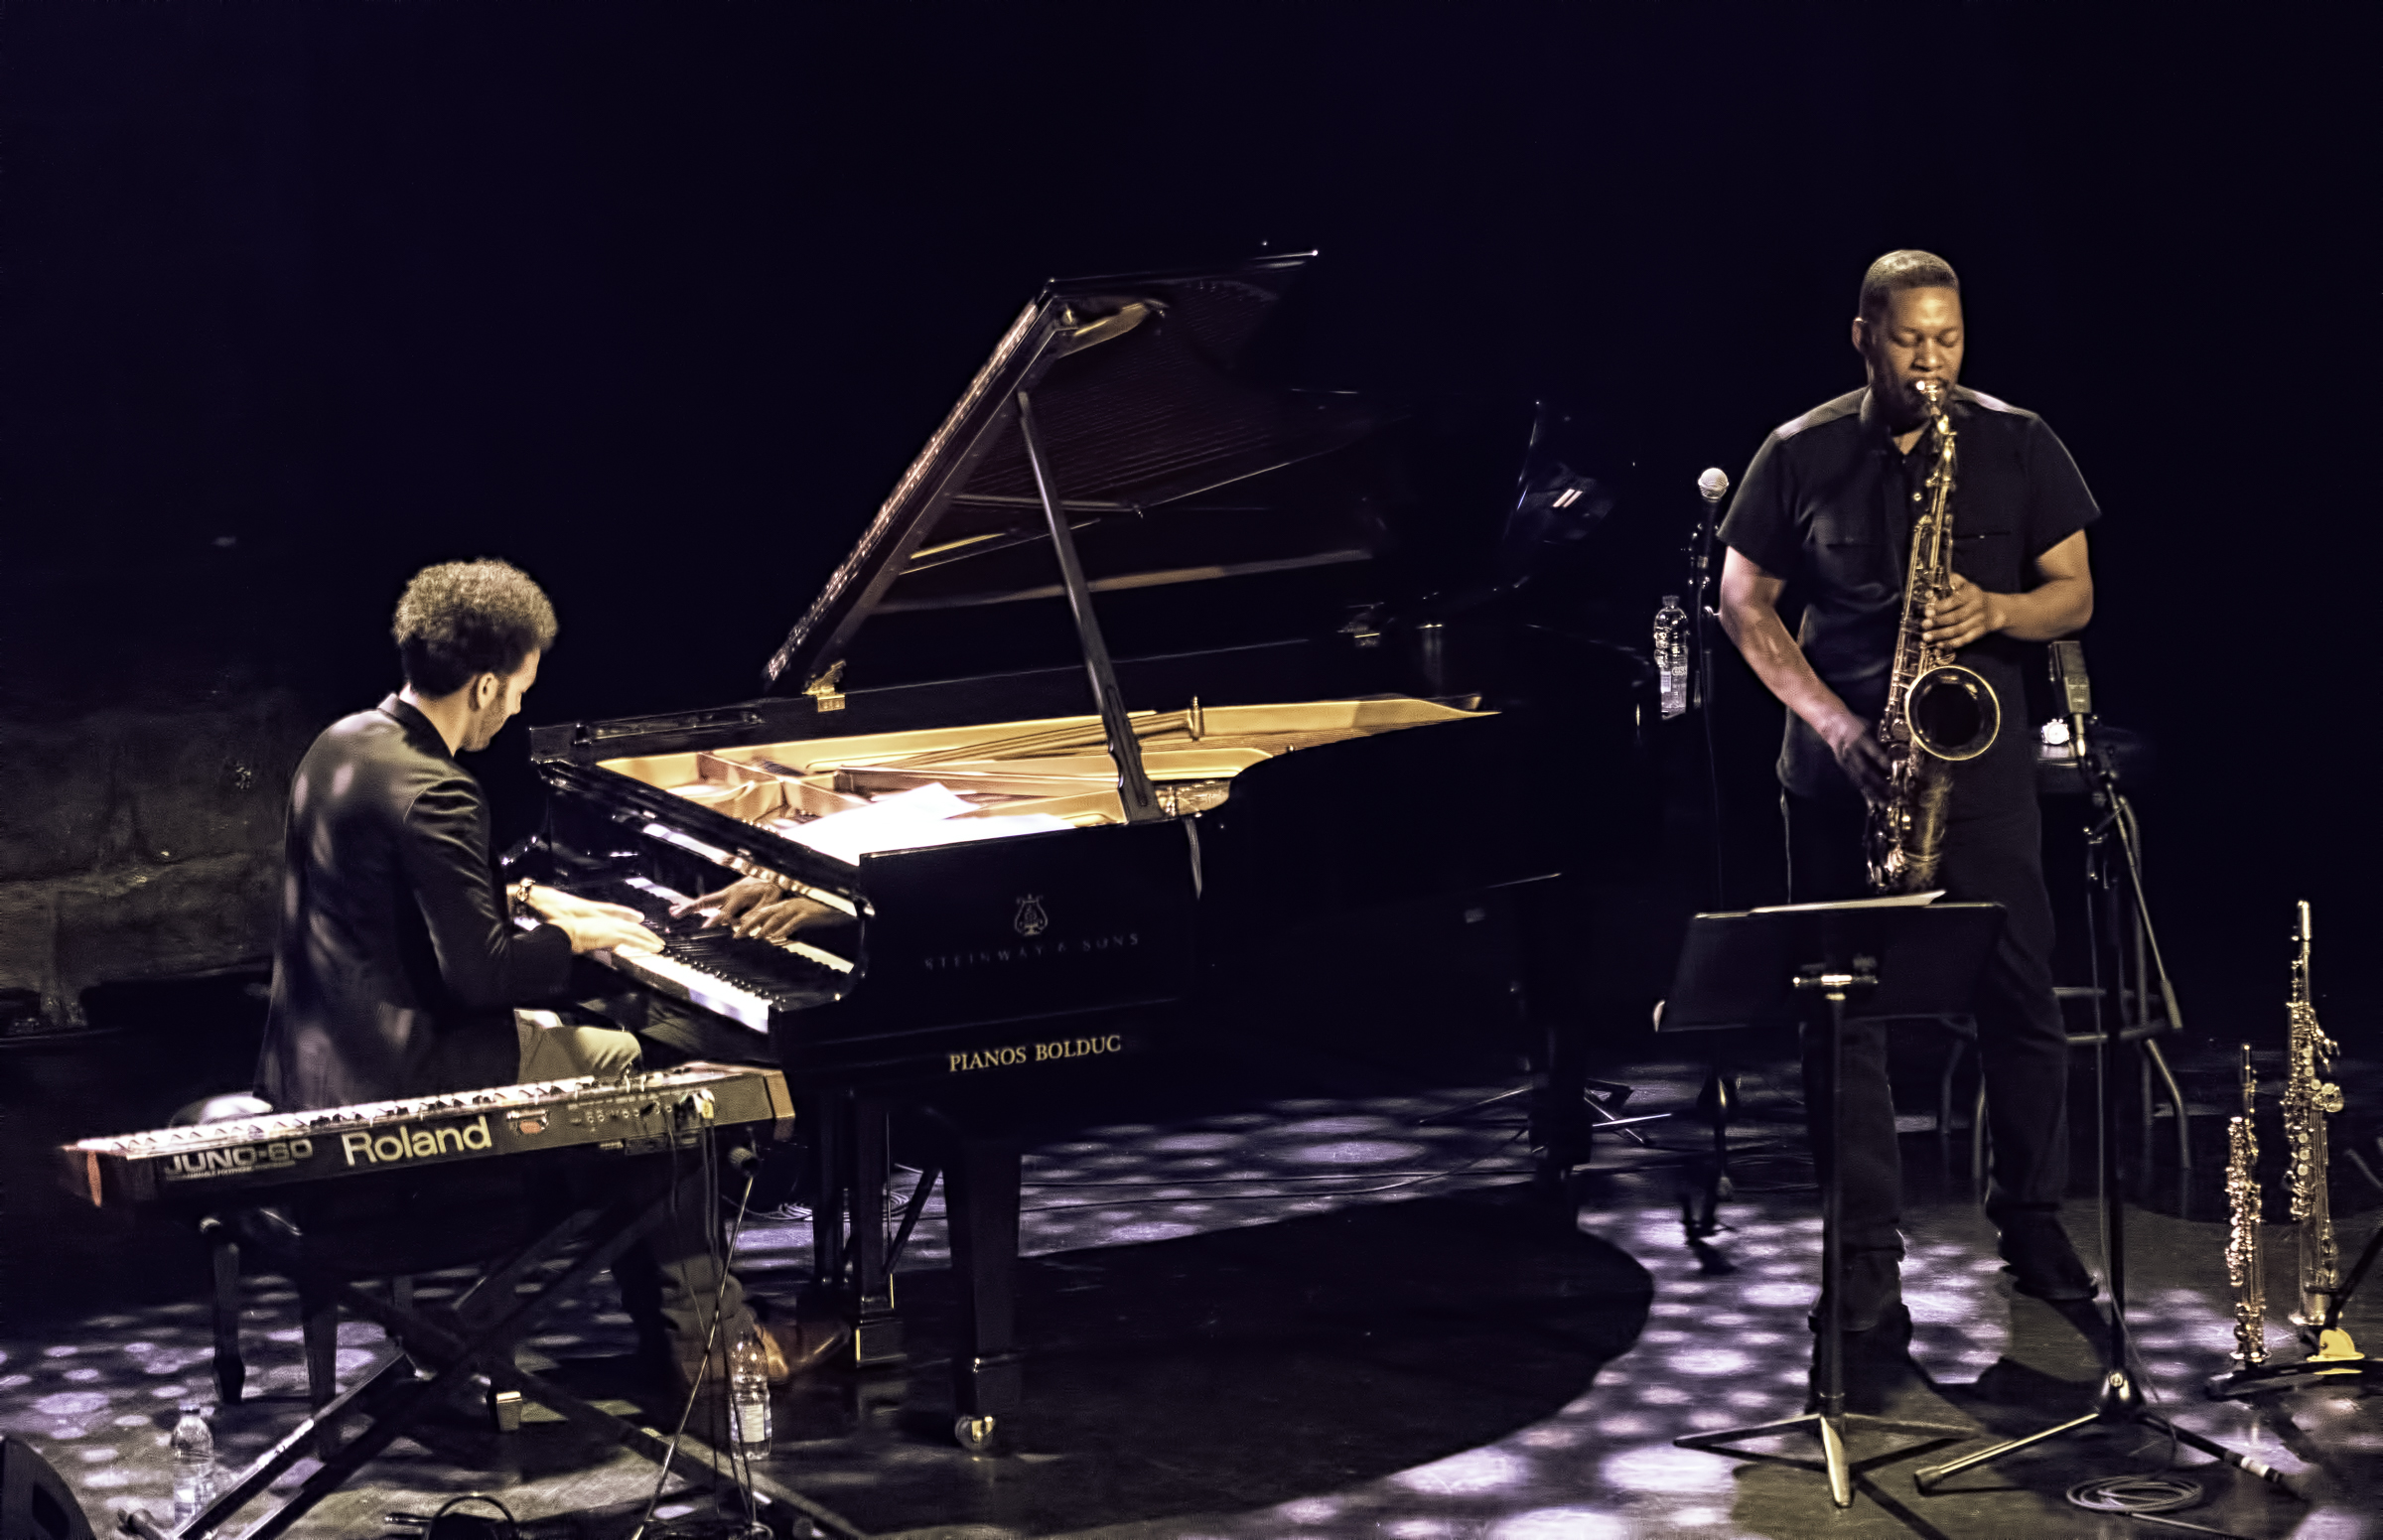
(1953, 712)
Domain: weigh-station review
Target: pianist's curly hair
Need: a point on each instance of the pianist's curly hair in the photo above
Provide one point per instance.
(462, 619)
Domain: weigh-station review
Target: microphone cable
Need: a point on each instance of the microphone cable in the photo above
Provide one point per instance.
(739, 1469)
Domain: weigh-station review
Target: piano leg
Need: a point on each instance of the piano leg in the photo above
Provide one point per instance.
(876, 1329)
(829, 1166)
(981, 1196)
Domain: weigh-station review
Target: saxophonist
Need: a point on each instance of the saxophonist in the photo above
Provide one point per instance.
(1827, 508)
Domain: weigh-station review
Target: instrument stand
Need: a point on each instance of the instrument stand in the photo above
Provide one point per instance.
(2326, 1362)
(1552, 1116)
(1564, 1108)
(475, 1336)
(1940, 951)
(2120, 1399)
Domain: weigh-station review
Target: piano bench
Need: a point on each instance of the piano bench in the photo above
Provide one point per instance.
(317, 1315)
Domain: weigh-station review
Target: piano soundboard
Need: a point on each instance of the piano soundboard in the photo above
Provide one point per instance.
(634, 1115)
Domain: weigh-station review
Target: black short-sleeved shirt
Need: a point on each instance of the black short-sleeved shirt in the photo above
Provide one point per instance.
(1828, 506)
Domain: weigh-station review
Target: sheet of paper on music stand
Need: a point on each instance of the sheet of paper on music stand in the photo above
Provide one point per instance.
(1892, 901)
(911, 820)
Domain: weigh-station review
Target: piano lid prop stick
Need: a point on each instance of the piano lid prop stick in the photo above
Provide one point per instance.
(1133, 786)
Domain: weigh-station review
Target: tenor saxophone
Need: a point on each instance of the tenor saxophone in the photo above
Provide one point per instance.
(1938, 713)
(2244, 1268)
(2309, 1098)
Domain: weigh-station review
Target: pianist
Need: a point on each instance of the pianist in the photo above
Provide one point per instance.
(397, 971)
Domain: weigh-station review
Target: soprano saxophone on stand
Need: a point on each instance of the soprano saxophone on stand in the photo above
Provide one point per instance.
(2309, 1098)
(2244, 1267)
(1938, 713)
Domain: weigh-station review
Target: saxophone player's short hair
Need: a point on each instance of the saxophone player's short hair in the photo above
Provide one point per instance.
(1903, 270)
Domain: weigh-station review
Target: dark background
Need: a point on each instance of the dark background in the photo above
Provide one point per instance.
(658, 300)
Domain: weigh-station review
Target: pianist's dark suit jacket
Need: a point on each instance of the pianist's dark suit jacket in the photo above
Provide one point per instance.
(395, 971)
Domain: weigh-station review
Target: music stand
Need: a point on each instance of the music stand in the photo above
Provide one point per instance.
(1864, 959)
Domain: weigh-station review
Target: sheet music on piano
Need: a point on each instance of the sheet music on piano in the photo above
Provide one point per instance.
(916, 819)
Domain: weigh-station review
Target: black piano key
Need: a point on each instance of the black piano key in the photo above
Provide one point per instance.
(760, 966)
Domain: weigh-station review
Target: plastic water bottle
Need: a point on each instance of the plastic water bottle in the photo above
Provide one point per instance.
(1671, 655)
(749, 1397)
(193, 1464)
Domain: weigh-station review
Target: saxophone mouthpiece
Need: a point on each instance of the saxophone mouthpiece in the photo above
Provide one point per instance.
(1931, 391)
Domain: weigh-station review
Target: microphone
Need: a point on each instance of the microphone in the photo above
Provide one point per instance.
(2077, 690)
(1712, 486)
(2076, 697)
(2068, 672)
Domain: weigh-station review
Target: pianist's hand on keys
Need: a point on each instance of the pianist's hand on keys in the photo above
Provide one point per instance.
(604, 934)
(763, 909)
(594, 927)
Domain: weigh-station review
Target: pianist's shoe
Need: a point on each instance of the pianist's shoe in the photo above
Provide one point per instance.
(790, 1347)
(801, 1346)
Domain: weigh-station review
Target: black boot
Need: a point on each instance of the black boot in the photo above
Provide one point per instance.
(1877, 1362)
(1874, 1287)
(2038, 1254)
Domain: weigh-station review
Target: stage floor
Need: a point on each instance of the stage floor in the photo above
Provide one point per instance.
(1302, 1310)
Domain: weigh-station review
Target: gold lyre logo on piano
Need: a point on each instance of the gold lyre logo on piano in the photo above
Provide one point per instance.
(1031, 920)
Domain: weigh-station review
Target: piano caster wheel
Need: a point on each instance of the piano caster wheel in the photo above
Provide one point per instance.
(974, 1434)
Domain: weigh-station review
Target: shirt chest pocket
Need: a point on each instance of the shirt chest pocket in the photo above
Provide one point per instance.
(1989, 519)
(1851, 556)
(1987, 556)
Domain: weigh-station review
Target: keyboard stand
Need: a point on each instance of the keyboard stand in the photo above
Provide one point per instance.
(490, 1320)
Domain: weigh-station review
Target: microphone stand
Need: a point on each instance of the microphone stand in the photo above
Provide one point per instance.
(1717, 1099)
(1712, 486)
(2118, 1399)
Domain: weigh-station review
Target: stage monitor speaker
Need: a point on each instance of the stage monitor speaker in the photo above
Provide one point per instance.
(35, 1503)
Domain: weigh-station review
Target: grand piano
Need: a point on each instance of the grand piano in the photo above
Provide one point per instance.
(1027, 853)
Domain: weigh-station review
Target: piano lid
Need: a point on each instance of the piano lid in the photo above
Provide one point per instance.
(1143, 420)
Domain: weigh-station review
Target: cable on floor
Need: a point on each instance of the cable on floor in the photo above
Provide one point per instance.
(2135, 1493)
(2145, 1499)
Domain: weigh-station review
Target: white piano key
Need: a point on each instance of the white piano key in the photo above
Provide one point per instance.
(694, 986)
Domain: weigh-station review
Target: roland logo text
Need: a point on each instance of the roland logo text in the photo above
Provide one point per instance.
(414, 1143)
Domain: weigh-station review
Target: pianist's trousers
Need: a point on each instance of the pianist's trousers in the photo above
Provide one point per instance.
(671, 1279)
(672, 1275)
(1993, 854)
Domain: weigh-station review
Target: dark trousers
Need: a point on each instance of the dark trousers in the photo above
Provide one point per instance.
(670, 1277)
(1992, 854)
